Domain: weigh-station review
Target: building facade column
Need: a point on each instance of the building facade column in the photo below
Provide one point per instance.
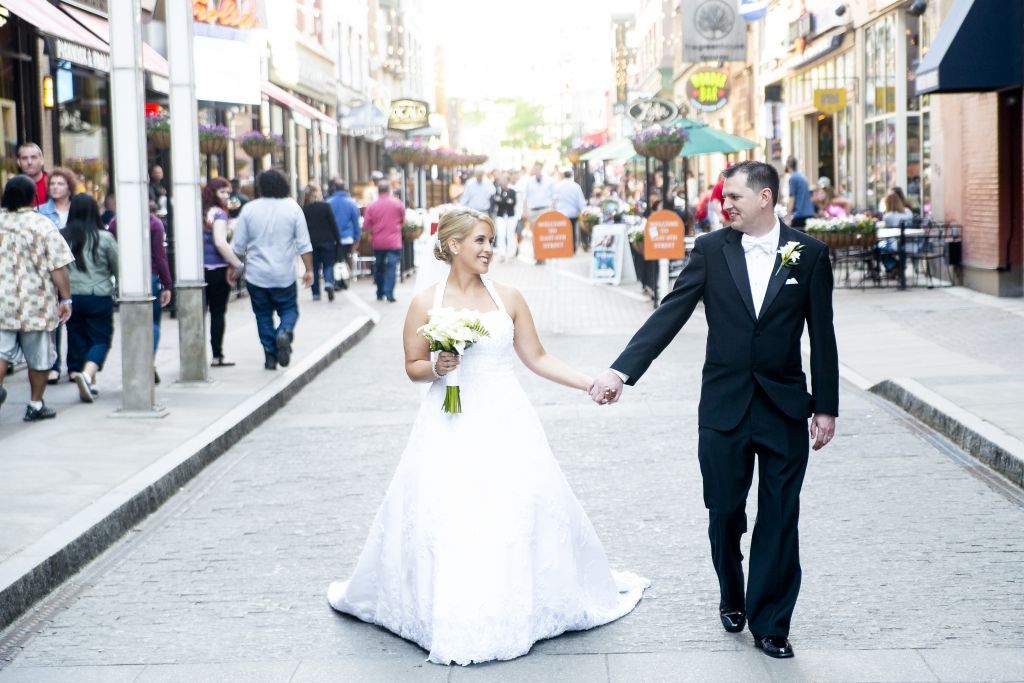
(136, 295)
(188, 235)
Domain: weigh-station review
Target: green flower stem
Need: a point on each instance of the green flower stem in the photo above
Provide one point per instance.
(452, 400)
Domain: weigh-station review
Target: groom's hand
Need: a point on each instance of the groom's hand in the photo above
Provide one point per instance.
(823, 428)
(606, 389)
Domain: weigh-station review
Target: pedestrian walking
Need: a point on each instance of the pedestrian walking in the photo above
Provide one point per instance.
(799, 204)
(569, 201)
(62, 183)
(30, 163)
(91, 326)
(35, 295)
(757, 299)
(160, 277)
(218, 258)
(505, 219)
(478, 192)
(270, 232)
(383, 220)
(346, 217)
(324, 236)
(158, 191)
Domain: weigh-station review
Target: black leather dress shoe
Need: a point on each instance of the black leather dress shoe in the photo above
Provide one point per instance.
(733, 620)
(774, 646)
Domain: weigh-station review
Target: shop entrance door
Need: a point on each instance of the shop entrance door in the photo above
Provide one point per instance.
(825, 142)
(1011, 180)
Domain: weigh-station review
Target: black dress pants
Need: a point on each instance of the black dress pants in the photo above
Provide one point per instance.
(781, 445)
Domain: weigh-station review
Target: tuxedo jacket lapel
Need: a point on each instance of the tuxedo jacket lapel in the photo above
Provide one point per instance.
(737, 261)
(779, 276)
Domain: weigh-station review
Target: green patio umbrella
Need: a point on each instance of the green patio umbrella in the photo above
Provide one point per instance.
(616, 150)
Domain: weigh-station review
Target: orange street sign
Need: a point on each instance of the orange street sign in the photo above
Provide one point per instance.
(663, 236)
(552, 236)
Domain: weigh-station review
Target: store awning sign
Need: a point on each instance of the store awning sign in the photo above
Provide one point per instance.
(650, 111)
(408, 114)
(708, 89)
(752, 10)
(830, 100)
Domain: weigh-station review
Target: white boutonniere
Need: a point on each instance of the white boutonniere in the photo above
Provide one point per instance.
(790, 255)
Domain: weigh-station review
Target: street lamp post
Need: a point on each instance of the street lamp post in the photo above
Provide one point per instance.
(188, 241)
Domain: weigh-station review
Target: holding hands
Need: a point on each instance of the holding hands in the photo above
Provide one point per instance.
(606, 388)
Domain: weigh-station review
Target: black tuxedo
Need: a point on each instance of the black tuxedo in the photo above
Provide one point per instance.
(754, 400)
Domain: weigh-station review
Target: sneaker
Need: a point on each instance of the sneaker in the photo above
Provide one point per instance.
(284, 348)
(330, 293)
(33, 415)
(270, 361)
(84, 388)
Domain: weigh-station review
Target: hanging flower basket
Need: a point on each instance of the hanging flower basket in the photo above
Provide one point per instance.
(573, 156)
(663, 144)
(402, 154)
(158, 131)
(257, 144)
(411, 232)
(213, 139)
(665, 151)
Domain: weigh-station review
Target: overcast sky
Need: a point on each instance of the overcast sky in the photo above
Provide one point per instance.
(512, 48)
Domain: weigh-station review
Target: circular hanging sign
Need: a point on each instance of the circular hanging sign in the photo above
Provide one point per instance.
(708, 89)
(649, 111)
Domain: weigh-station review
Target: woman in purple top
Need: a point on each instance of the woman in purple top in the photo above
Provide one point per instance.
(217, 257)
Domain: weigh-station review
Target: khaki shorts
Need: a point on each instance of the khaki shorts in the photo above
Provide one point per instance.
(36, 347)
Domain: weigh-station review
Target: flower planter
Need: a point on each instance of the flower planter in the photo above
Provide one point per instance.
(573, 156)
(412, 234)
(641, 148)
(638, 247)
(160, 139)
(843, 240)
(664, 151)
(257, 149)
(213, 145)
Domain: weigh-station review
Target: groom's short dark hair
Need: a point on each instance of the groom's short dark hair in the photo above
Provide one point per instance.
(759, 176)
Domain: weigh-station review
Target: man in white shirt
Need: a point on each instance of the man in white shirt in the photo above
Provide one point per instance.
(540, 192)
(569, 200)
(761, 282)
(479, 192)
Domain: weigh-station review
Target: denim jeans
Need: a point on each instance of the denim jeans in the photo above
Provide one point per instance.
(90, 330)
(269, 300)
(324, 256)
(385, 268)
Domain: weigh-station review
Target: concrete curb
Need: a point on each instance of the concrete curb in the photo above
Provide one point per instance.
(34, 572)
(983, 440)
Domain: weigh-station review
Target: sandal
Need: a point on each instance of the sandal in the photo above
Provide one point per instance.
(221, 363)
(53, 377)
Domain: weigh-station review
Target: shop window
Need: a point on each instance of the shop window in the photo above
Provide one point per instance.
(83, 120)
(879, 109)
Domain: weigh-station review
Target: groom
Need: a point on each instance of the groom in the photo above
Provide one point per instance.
(757, 296)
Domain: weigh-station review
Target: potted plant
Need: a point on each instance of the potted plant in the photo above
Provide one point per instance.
(158, 131)
(636, 238)
(589, 217)
(257, 144)
(664, 144)
(401, 154)
(213, 139)
(849, 231)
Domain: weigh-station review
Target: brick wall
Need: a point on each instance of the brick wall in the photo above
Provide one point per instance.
(979, 179)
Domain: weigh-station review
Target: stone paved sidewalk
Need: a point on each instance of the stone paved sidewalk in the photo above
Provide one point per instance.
(913, 559)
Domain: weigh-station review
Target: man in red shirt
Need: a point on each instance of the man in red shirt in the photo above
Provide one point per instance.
(717, 196)
(30, 163)
(383, 220)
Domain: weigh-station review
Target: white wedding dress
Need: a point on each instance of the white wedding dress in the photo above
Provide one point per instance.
(480, 548)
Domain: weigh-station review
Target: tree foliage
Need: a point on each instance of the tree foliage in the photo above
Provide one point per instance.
(525, 129)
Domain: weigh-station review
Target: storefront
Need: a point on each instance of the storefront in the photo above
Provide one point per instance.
(19, 92)
(819, 95)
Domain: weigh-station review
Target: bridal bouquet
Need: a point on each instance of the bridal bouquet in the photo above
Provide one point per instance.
(452, 331)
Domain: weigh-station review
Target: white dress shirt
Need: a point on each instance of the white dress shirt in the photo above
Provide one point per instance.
(760, 255)
(539, 193)
(569, 198)
(478, 194)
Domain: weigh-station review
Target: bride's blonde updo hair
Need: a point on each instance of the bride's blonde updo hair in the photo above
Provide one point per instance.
(456, 224)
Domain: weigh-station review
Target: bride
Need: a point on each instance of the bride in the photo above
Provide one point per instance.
(480, 548)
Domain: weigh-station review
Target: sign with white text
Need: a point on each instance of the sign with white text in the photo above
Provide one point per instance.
(663, 236)
(552, 236)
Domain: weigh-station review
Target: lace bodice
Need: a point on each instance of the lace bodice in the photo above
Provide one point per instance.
(494, 352)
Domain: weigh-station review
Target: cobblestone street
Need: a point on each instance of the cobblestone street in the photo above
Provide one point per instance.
(913, 555)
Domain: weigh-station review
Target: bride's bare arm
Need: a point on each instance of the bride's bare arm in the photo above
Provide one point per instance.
(530, 349)
(417, 351)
